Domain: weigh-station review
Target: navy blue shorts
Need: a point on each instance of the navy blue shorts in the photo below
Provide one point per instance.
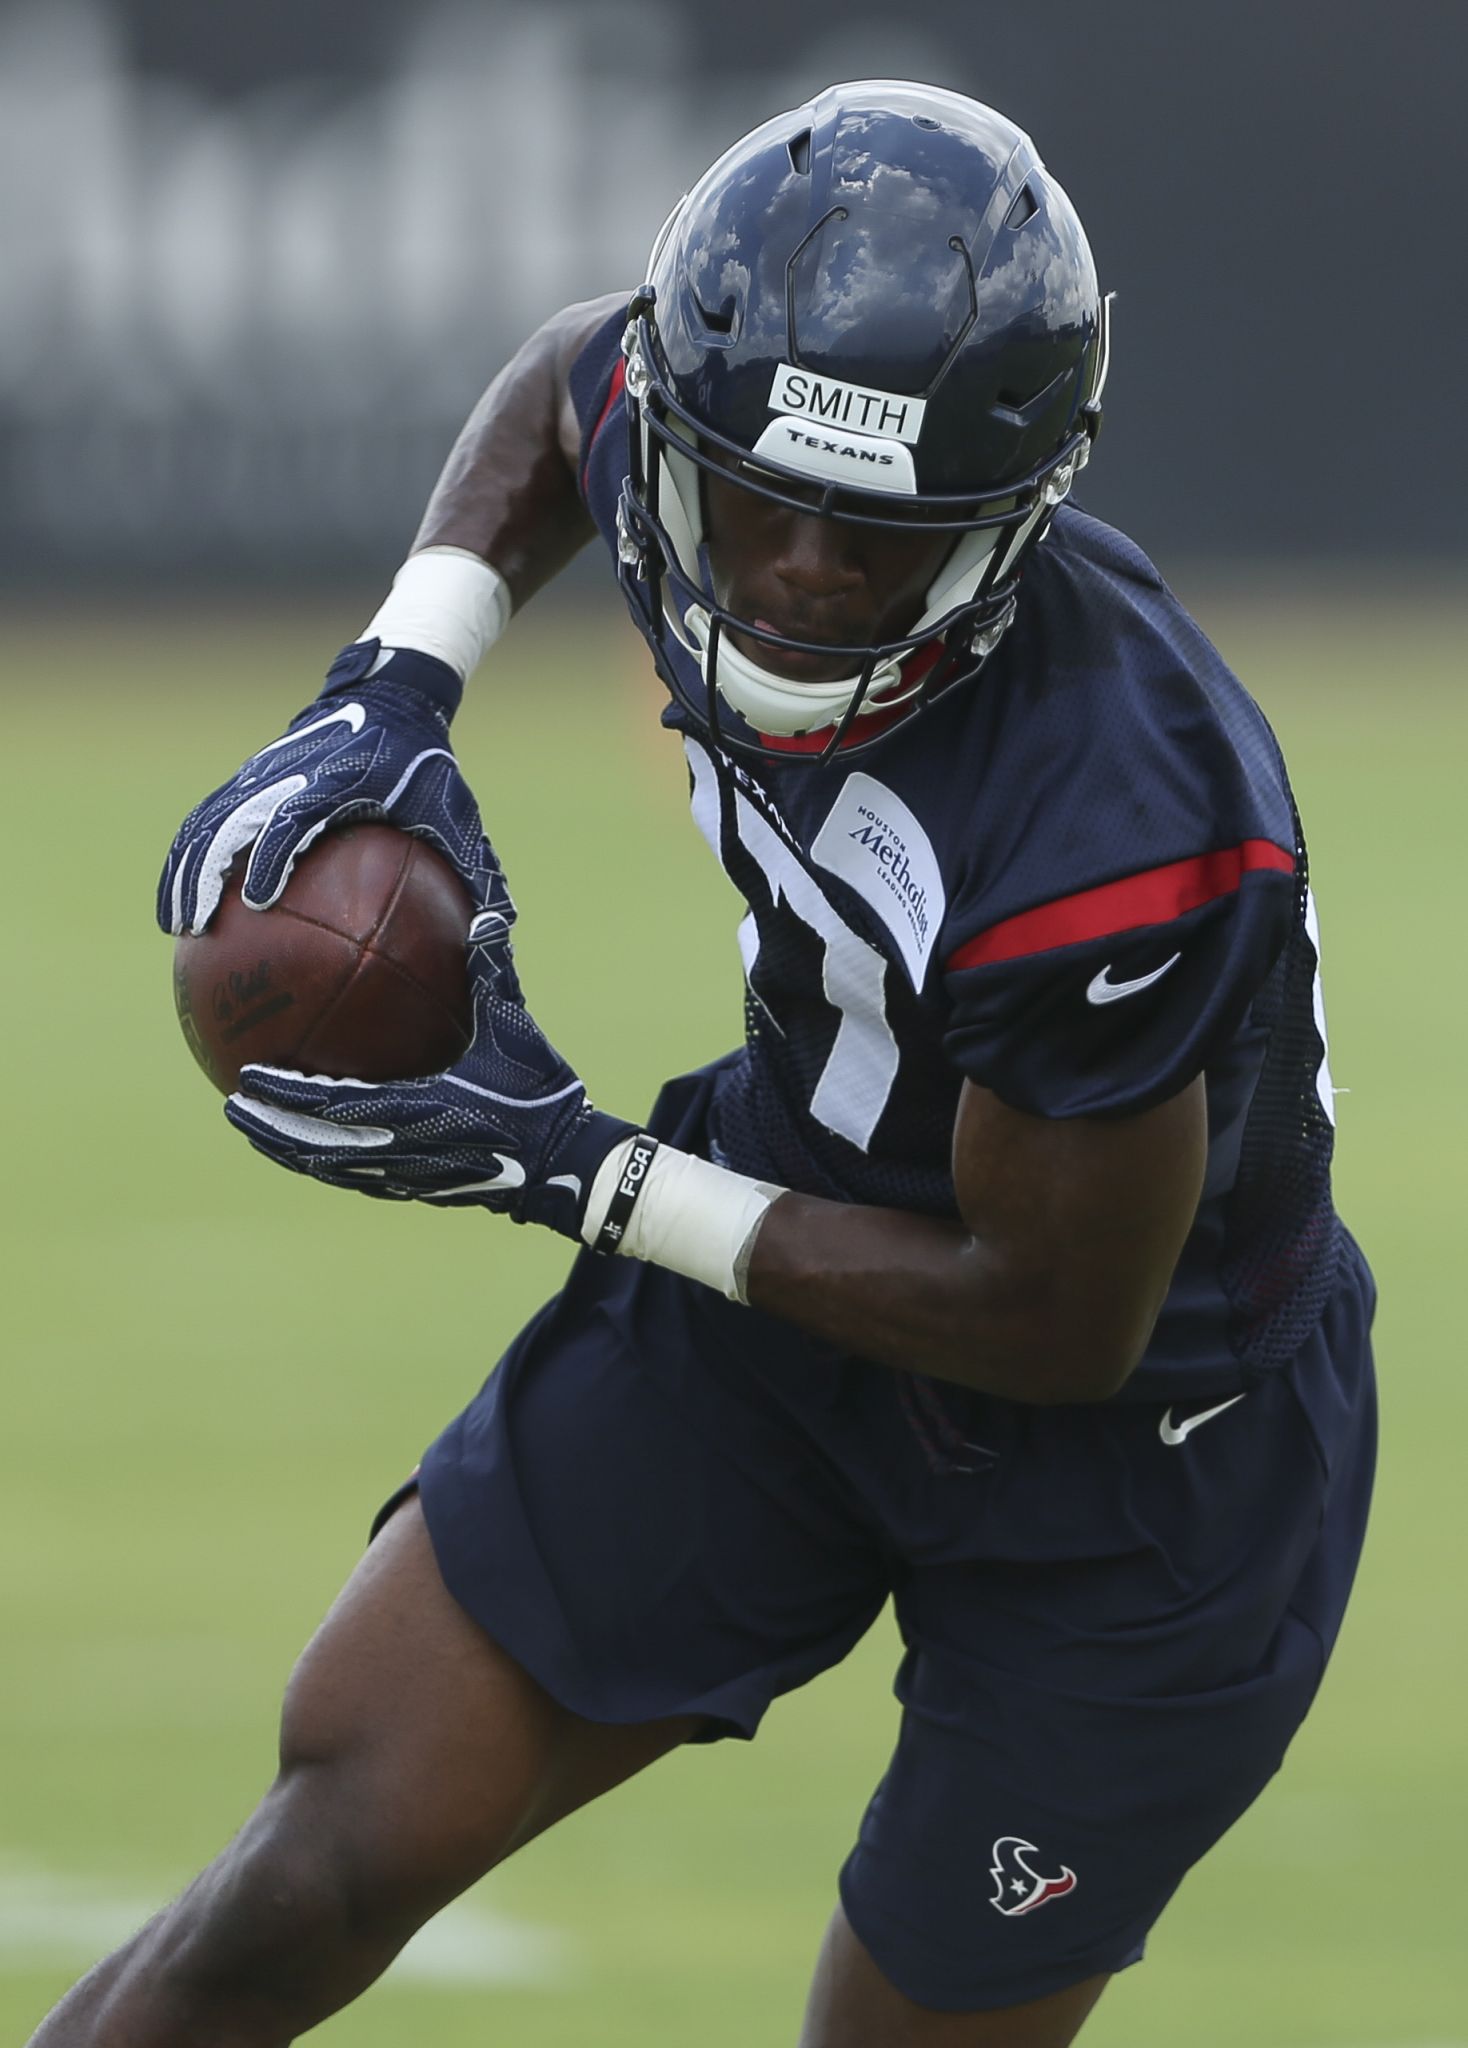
(664, 1504)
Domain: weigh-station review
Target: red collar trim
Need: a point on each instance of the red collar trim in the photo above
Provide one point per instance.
(916, 669)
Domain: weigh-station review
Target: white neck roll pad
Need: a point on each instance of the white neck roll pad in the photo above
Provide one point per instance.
(773, 705)
(445, 602)
(770, 703)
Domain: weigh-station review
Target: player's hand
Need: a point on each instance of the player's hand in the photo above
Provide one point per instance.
(375, 744)
(509, 1128)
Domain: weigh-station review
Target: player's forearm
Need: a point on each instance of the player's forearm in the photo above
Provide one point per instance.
(1031, 1313)
(924, 1295)
(508, 491)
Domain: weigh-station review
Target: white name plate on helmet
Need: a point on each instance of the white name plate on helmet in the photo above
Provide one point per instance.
(854, 406)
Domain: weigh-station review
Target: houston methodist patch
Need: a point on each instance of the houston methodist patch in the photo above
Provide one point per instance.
(1017, 1887)
(873, 842)
(857, 407)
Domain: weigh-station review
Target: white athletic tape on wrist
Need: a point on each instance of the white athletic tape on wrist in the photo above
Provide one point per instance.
(445, 602)
(694, 1218)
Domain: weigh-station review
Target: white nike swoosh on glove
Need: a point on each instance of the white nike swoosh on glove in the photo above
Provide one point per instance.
(354, 715)
(511, 1175)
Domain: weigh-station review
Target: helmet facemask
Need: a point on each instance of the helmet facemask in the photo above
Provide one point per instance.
(662, 546)
(875, 308)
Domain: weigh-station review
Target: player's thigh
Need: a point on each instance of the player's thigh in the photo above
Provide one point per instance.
(852, 2005)
(420, 1748)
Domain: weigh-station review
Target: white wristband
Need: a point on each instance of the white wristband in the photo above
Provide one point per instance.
(694, 1218)
(445, 602)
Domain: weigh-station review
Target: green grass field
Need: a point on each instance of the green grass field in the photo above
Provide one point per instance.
(198, 1421)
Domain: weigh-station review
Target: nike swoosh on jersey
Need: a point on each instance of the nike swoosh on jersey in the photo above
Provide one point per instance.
(1174, 1433)
(1102, 990)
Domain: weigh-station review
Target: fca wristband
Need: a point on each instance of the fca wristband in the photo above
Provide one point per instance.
(630, 1183)
(651, 1201)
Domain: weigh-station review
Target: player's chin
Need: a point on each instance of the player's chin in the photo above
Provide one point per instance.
(794, 666)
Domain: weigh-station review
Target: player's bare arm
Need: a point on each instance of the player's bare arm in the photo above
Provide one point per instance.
(508, 490)
(1048, 1288)
(374, 743)
(504, 518)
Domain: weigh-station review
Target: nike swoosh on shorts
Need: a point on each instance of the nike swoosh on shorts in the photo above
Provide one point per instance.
(1174, 1433)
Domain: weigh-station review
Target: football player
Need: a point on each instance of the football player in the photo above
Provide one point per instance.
(996, 1274)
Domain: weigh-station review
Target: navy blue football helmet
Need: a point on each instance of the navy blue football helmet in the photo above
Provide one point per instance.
(878, 307)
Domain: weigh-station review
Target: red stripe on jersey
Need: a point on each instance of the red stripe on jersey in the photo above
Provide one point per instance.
(614, 392)
(1154, 897)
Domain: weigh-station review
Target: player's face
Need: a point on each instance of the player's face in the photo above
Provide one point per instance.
(810, 578)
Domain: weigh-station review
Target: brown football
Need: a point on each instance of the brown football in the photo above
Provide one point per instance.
(358, 970)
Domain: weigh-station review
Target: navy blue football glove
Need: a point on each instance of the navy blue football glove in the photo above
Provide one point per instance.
(375, 744)
(509, 1128)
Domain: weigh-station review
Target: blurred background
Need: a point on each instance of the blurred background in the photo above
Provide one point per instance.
(255, 265)
(258, 262)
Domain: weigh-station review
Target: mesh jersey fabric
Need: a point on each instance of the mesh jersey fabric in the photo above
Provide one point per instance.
(1080, 882)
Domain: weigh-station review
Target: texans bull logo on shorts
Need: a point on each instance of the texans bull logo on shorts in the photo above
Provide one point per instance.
(1017, 1887)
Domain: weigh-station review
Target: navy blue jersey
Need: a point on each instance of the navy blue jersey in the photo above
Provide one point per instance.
(1078, 882)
